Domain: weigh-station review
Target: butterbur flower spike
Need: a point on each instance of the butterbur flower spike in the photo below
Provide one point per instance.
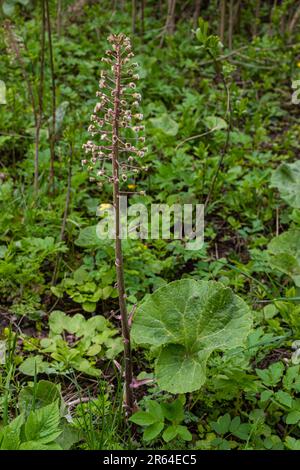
(115, 111)
(116, 124)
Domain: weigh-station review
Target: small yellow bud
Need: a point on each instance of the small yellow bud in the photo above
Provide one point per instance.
(104, 207)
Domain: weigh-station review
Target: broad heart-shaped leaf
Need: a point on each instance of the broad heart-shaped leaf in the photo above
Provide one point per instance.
(286, 178)
(188, 320)
(284, 253)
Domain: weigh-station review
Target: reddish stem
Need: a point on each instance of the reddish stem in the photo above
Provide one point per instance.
(118, 243)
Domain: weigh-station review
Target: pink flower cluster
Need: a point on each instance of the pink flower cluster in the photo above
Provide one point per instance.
(115, 126)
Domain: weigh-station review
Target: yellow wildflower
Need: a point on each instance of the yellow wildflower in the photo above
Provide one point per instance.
(104, 207)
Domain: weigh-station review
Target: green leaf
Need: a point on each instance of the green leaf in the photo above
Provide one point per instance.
(8, 8)
(286, 178)
(59, 321)
(215, 123)
(11, 440)
(39, 445)
(293, 417)
(43, 424)
(165, 124)
(114, 347)
(152, 431)
(170, 433)
(33, 365)
(154, 414)
(222, 425)
(291, 376)
(242, 432)
(143, 418)
(69, 436)
(94, 350)
(235, 424)
(202, 31)
(292, 443)
(184, 433)
(88, 238)
(266, 395)
(188, 320)
(284, 252)
(173, 411)
(284, 398)
(156, 410)
(83, 365)
(272, 375)
(11, 434)
(39, 395)
(89, 306)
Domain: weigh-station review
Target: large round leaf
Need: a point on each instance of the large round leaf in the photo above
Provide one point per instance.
(188, 320)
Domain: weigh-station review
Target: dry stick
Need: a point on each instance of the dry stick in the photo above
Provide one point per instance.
(277, 221)
(16, 135)
(223, 57)
(222, 19)
(170, 21)
(256, 20)
(294, 20)
(51, 130)
(66, 212)
(133, 16)
(37, 110)
(226, 145)
(230, 24)
(170, 24)
(40, 103)
(196, 12)
(143, 17)
(16, 51)
(273, 8)
(68, 196)
(118, 243)
(237, 15)
(194, 137)
(59, 18)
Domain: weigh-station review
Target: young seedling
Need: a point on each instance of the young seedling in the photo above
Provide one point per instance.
(116, 124)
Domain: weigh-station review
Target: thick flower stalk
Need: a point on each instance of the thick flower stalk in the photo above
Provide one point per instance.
(116, 126)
